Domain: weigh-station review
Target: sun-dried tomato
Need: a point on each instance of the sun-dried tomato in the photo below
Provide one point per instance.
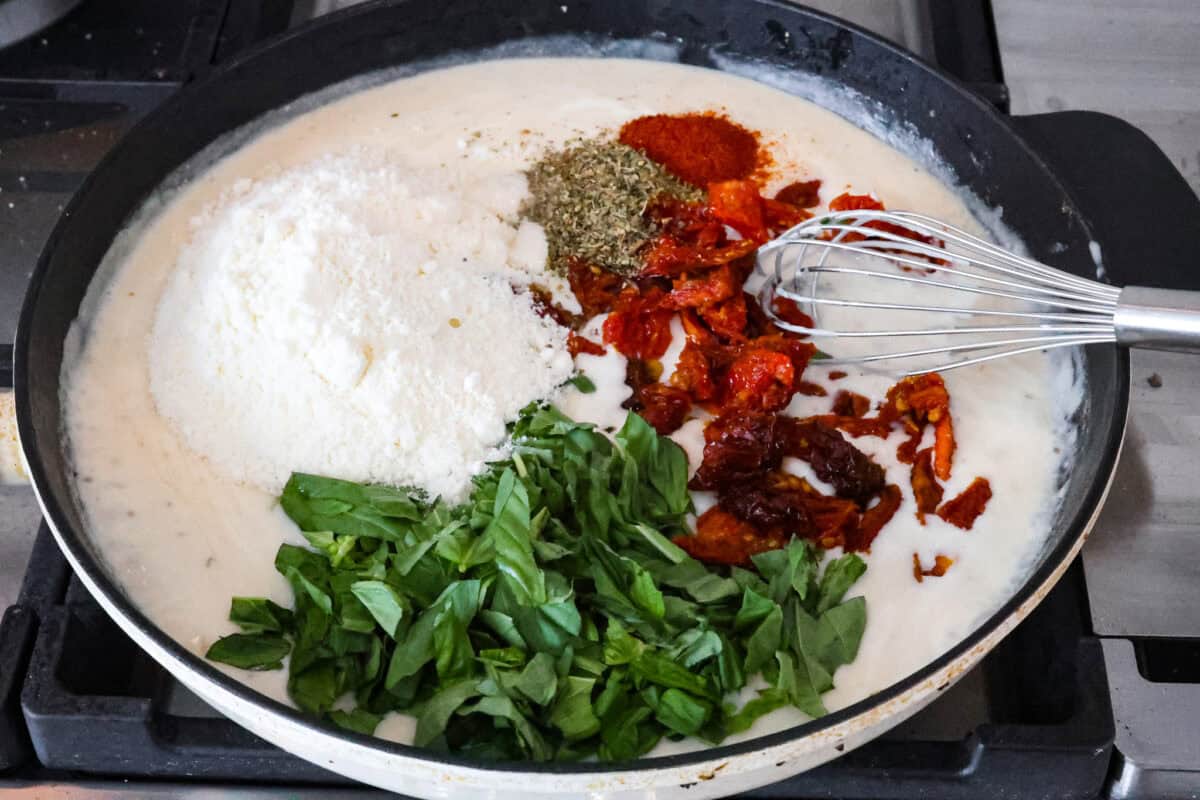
(810, 389)
(802, 194)
(849, 470)
(835, 518)
(926, 490)
(577, 344)
(781, 216)
(738, 205)
(639, 326)
(739, 446)
(693, 373)
(943, 447)
(941, 565)
(906, 453)
(692, 223)
(850, 404)
(666, 255)
(768, 508)
(836, 375)
(638, 375)
(786, 309)
(664, 407)
(760, 379)
(704, 290)
(543, 303)
(696, 331)
(864, 202)
(727, 318)
(800, 352)
(874, 518)
(722, 538)
(595, 288)
(963, 510)
(855, 202)
(924, 399)
(855, 426)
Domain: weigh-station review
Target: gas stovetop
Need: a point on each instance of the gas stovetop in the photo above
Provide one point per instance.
(1097, 694)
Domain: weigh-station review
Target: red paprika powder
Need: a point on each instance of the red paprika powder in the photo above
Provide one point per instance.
(698, 148)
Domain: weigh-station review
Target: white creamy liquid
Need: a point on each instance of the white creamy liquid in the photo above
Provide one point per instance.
(182, 539)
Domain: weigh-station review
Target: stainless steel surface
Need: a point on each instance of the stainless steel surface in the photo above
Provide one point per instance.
(1155, 722)
(1143, 558)
(882, 251)
(1158, 319)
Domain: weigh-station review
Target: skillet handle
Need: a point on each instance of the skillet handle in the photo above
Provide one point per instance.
(1144, 215)
(1158, 319)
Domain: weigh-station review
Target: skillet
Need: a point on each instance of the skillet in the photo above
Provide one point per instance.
(895, 89)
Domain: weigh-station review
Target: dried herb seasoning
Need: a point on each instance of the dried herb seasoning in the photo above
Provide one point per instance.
(590, 198)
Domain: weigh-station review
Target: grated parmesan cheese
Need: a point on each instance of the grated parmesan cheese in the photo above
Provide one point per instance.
(356, 318)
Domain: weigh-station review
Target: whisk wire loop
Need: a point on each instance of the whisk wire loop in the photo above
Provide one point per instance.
(963, 275)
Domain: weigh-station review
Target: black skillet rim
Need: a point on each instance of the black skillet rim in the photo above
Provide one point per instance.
(69, 539)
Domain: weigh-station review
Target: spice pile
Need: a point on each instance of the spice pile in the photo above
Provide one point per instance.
(591, 197)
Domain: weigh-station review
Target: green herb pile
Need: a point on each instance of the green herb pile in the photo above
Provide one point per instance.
(590, 199)
(550, 617)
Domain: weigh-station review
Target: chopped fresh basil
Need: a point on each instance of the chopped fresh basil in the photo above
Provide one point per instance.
(552, 616)
(583, 383)
(258, 651)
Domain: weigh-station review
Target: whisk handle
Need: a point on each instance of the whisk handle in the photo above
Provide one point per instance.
(1158, 319)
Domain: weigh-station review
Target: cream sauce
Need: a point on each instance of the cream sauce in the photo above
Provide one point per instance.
(182, 539)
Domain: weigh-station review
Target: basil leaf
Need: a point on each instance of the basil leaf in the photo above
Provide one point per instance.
(802, 683)
(510, 535)
(538, 681)
(358, 720)
(315, 503)
(573, 714)
(753, 611)
(695, 646)
(549, 627)
(415, 651)
(669, 550)
(583, 383)
(257, 651)
(260, 615)
(506, 657)
(833, 638)
(663, 671)
(385, 603)
(768, 700)
(680, 712)
(436, 712)
(316, 688)
(839, 576)
(625, 736)
(788, 569)
(532, 742)
(318, 595)
(619, 646)
(763, 643)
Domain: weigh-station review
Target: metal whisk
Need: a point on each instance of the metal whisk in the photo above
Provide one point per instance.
(973, 300)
